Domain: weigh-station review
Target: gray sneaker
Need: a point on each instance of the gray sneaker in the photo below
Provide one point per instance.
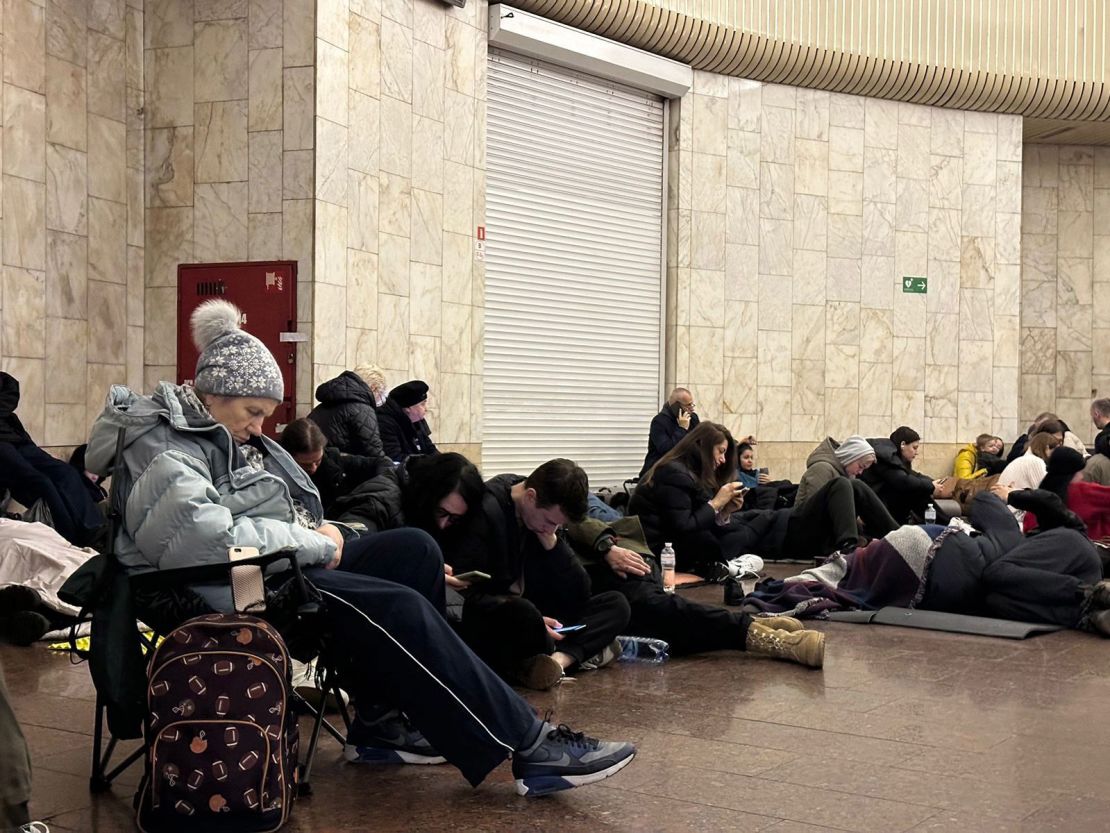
(606, 656)
(390, 740)
(561, 759)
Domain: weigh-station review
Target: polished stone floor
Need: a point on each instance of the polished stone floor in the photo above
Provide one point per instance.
(903, 730)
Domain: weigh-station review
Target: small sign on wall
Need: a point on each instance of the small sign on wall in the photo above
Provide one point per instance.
(915, 284)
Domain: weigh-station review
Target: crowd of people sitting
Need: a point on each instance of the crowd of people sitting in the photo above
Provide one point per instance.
(460, 583)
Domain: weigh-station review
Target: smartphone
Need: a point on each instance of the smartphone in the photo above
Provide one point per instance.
(764, 470)
(239, 553)
(568, 628)
(473, 575)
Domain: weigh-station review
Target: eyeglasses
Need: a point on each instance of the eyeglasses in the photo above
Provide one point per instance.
(450, 518)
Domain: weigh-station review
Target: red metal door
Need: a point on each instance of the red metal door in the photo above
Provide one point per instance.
(266, 292)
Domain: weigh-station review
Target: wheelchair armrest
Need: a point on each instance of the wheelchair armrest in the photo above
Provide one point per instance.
(206, 573)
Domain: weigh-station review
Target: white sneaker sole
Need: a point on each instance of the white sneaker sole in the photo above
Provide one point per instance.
(378, 755)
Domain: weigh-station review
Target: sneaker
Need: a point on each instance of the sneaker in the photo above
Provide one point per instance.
(538, 673)
(390, 740)
(561, 759)
(606, 656)
(34, 827)
(740, 568)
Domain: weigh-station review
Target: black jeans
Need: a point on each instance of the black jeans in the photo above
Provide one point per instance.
(385, 606)
(687, 626)
(31, 474)
(827, 520)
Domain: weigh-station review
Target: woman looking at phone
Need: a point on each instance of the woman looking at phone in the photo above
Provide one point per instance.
(690, 500)
(748, 474)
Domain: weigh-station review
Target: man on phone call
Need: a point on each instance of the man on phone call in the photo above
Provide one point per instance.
(669, 426)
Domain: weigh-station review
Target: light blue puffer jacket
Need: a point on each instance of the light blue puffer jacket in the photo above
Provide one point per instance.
(185, 501)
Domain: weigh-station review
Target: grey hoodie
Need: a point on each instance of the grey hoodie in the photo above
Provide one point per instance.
(187, 495)
(821, 467)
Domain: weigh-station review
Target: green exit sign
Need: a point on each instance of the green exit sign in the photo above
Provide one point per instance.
(911, 283)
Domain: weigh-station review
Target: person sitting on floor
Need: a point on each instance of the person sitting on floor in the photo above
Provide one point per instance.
(32, 475)
(981, 458)
(690, 500)
(905, 492)
(669, 426)
(405, 431)
(747, 473)
(347, 413)
(830, 459)
(199, 477)
(508, 528)
(1028, 470)
(1047, 423)
(334, 473)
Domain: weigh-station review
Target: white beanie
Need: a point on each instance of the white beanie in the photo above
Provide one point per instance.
(853, 448)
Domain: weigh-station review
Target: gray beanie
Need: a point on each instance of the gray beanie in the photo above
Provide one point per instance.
(853, 448)
(232, 362)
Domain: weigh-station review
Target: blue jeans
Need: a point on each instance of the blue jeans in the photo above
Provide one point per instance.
(600, 510)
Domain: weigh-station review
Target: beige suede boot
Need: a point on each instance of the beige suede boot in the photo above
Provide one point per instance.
(780, 623)
(803, 647)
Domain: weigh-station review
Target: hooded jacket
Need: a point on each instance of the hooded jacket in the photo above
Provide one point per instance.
(894, 481)
(187, 494)
(664, 435)
(347, 416)
(401, 437)
(11, 429)
(965, 465)
(821, 467)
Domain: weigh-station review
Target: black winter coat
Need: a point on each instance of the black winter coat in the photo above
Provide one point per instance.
(895, 483)
(1102, 441)
(675, 508)
(11, 429)
(375, 502)
(339, 474)
(347, 416)
(664, 435)
(401, 437)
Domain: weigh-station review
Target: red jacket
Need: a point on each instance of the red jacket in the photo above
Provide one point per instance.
(1091, 502)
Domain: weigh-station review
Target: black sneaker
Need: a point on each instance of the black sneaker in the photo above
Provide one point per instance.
(390, 740)
(561, 759)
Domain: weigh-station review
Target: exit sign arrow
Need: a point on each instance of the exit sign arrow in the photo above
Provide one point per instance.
(915, 284)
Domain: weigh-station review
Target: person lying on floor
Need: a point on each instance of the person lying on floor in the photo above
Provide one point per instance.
(988, 569)
(689, 499)
(508, 528)
(616, 557)
(199, 477)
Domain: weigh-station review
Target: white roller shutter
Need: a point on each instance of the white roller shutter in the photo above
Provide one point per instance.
(574, 200)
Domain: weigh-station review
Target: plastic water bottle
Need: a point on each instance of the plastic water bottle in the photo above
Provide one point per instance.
(930, 514)
(643, 649)
(666, 563)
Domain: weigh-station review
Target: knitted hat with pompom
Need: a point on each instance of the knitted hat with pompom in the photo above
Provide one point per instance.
(232, 362)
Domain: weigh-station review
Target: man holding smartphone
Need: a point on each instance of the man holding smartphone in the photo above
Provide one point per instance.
(669, 426)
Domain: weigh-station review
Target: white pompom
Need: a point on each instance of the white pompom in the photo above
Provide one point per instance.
(213, 319)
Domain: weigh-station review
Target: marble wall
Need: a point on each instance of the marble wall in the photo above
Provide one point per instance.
(72, 317)
(1065, 258)
(792, 216)
(399, 189)
(229, 148)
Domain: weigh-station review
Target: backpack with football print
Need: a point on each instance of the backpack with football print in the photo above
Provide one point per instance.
(222, 737)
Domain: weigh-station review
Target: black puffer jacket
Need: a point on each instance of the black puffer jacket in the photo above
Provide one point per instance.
(347, 416)
(897, 485)
(401, 437)
(375, 502)
(339, 474)
(11, 429)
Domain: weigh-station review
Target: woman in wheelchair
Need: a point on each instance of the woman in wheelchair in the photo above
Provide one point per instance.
(199, 478)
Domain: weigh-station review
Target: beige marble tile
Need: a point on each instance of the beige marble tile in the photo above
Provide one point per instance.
(841, 411)
(942, 345)
(846, 148)
(776, 190)
(221, 67)
(23, 38)
(777, 135)
(973, 413)
(709, 183)
(1038, 304)
(331, 83)
(944, 234)
(878, 228)
(24, 223)
(396, 133)
(842, 365)
(845, 192)
(710, 126)
(909, 314)
(910, 253)
(66, 190)
(264, 104)
(812, 114)
(106, 159)
(706, 356)
(169, 242)
(458, 260)
(330, 244)
(1038, 258)
(366, 56)
(427, 227)
(842, 324)
(66, 21)
(944, 286)
(808, 332)
(429, 22)
(298, 101)
(1076, 190)
(169, 171)
(220, 221)
(944, 187)
(362, 217)
(1077, 155)
(844, 279)
(107, 241)
(297, 173)
(1037, 393)
(811, 167)
(775, 250)
(745, 102)
(428, 316)
(811, 223)
(707, 240)
(264, 236)
(107, 16)
(136, 218)
(30, 373)
(877, 281)
(331, 162)
(428, 81)
(913, 151)
(107, 322)
(24, 317)
(298, 33)
(395, 201)
(1076, 237)
(912, 209)
(909, 364)
(738, 393)
(976, 313)
(264, 171)
(875, 338)
(1009, 138)
(397, 53)
(264, 21)
(907, 407)
(846, 110)
(874, 390)
(457, 343)
(807, 387)
(332, 22)
(1040, 165)
(707, 298)
(773, 424)
(810, 274)
(66, 275)
(1007, 289)
(66, 95)
(880, 167)
(362, 289)
(220, 137)
(741, 328)
(66, 424)
(1074, 330)
(941, 391)
(329, 339)
(1073, 373)
(161, 317)
(458, 190)
(393, 264)
(168, 23)
(107, 78)
(880, 124)
(1007, 341)
(946, 133)
(977, 263)
(742, 216)
(24, 133)
(845, 236)
(1075, 280)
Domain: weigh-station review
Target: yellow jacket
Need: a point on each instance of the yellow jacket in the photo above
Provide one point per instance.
(964, 466)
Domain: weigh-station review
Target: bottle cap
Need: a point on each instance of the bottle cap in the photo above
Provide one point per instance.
(666, 544)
